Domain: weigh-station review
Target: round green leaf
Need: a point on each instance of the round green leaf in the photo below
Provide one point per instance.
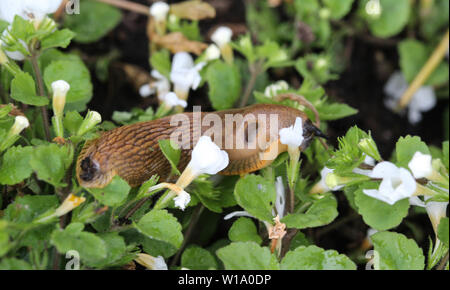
(244, 230)
(196, 258)
(315, 258)
(394, 251)
(15, 165)
(247, 256)
(394, 16)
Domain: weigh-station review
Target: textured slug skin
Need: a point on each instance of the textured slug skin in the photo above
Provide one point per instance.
(133, 153)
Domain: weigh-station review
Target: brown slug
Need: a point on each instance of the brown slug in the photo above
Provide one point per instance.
(133, 153)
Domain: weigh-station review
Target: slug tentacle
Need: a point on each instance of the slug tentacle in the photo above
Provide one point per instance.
(249, 135)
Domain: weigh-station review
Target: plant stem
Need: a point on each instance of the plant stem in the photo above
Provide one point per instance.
(432, 63)
(40, 85)
(195, 217)
(255, 70)
(128, 5)
(443, 262)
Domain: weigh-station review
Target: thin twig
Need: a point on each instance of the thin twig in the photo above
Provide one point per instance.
(40, 85)
(128, 5)
(195, 217)
(432, 63)
(443, 262)
(255, 70)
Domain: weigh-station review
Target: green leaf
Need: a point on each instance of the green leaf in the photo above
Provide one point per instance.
(160, 61)
(14, 264)
(244, 230)
(322, 212)
(51, 163)
(445, 153)
(172, 152)
(406, 147)
(25, 209)
(299, 239)
(72, 121)
(94, 21)
(338, 8)
(91, 248)
(315, 258)
(443, 231)
(116, 249)
(256, 195)
(247, 256)
(161, 225)
(413, 56)
(378, 214)
(75, 73)
(23, 89)
(394, 17)
(334, 111)
(224, 83)
(60, 38)
(114, 194)
(394, 251)
(196, 258)
(15, 165)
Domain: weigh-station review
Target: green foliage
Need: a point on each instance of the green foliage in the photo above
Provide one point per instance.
(94, 21)
(172, 152)
(196, 258)
(247, 256)
(396, 252)
(315, 258)
(256, 195)
(23, 89)
(224, 83)
(244, 230)
(406, 148)
(114, 194)
(15, 165)
(443, 231)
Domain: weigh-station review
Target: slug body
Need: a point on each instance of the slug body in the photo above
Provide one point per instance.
(249, 135)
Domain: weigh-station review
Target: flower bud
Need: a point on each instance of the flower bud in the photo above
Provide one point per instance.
(60, 89)
(71, 202)
(20, 124)
(92, 118)
(368, 146)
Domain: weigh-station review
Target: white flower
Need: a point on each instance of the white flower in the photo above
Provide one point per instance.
(27, 9)
(161, 84)
(293, 135)
(20, 123)
(323, 177)
(212, 52)
(15, 55)
(422, 101)
(159, 10)
(435, 210)
(272, 90)
(146, 90)
(185, 74)
(60, 88)
(222, 36)
(71, 202)
(420, 165)
(182, 200)
(207, 157)
(280, 200)
(171, 100)
(397, 183)
(367, 160)
(373, 8)
(151, 263)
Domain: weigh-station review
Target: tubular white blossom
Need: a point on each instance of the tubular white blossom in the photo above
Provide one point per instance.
(171, 100)
(185, 74)
(92, 118)
(435, 210)
(182, 200)
(293, 135)
(161, 84)
(159, 10)
(272, 90)
(280, 200)
(207, 157)
(60, 89)
(27, 9)
(71, 202)
(222, 36)
(397, 183)
(151, 263)
(212, 52)
(20, 123)
(237, 213)
(420, 165)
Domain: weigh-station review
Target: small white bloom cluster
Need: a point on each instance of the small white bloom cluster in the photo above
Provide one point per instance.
(185, 74)
(273, 89)
(422, 101)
